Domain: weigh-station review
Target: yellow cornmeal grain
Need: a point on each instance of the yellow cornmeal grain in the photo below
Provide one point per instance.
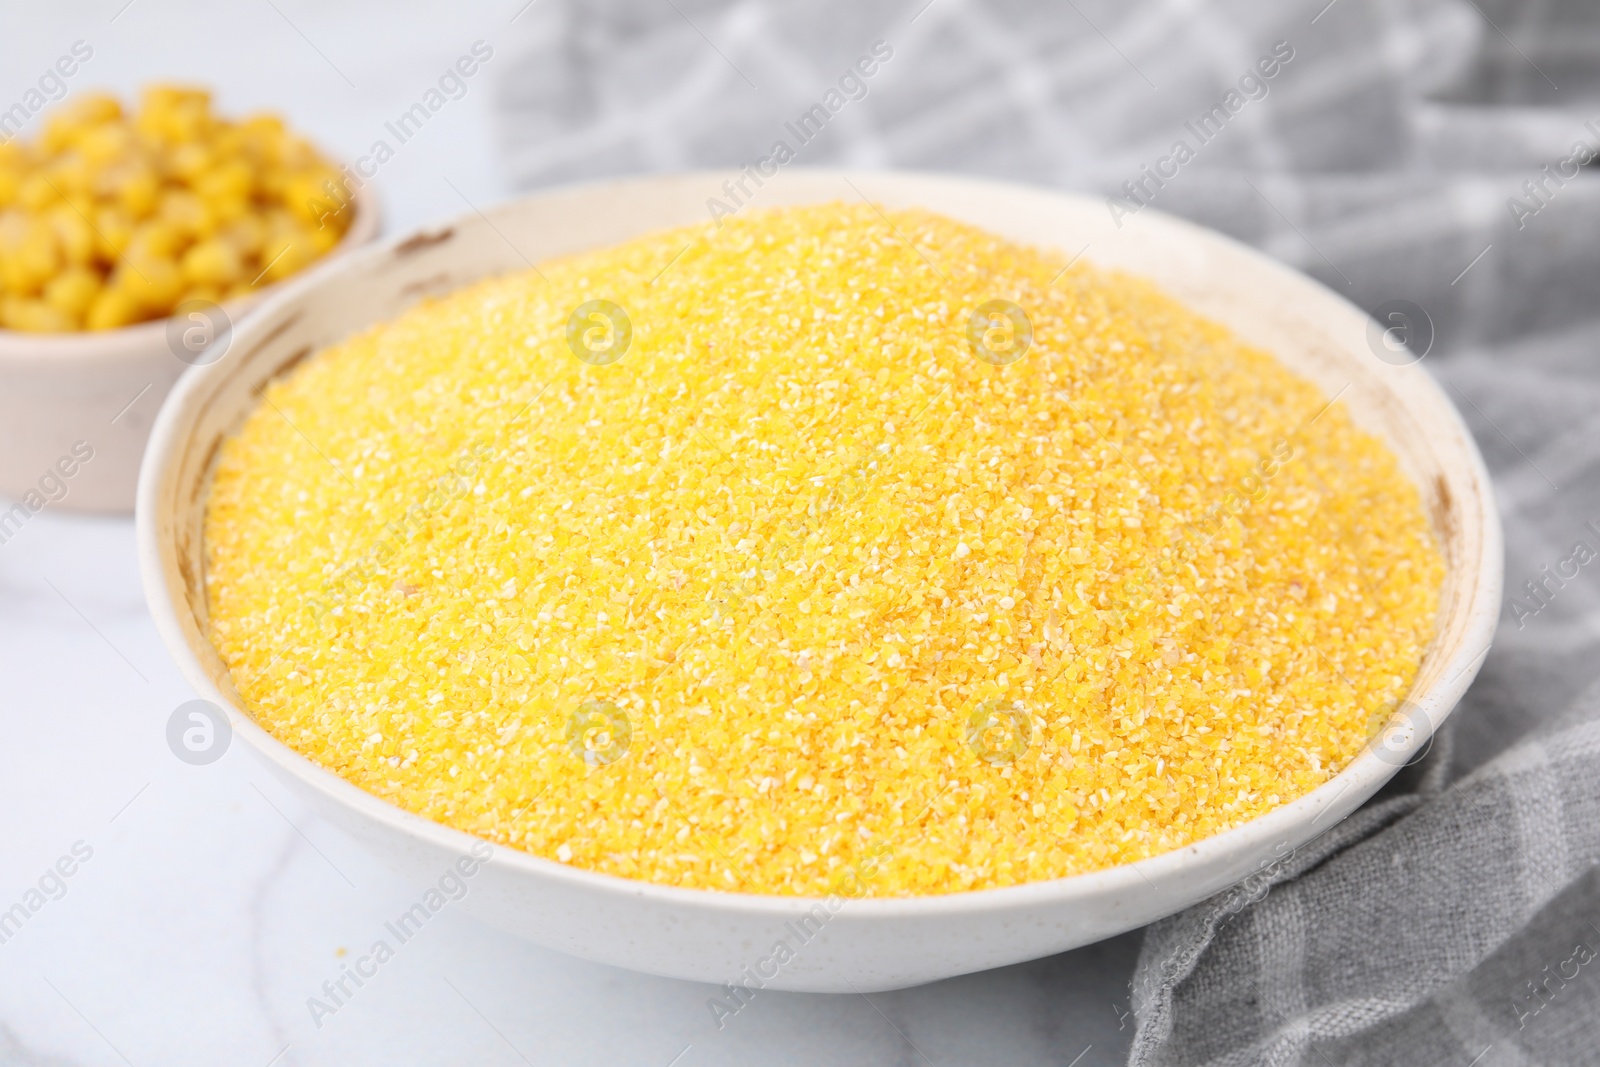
(825, 570)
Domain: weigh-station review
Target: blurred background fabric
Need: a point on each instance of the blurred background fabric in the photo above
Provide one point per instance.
(1428, 151)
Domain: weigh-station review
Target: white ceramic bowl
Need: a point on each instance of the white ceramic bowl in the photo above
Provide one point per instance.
(864, 944)
(102, 388)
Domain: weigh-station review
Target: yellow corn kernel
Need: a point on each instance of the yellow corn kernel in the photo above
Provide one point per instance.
(323, 240)
(158, 239)
(72, 174)
(93, 109)
(113, 233)
(75, 236)
(39, 191)
(57, 135)
(279, 221)
(110, 309)
(261, 137)
(228, 141)
(246, 233)
(263, 123)
(72, 291)
(153, 284)
(282, 256)
(102, 145)
(229, 180)
(315, 197)
(14, 226)
(168, 96)
(32, 260)
(214, 262)
(271, 183)
(296, 154)
(139, 192)
(186, 213)
(226, 210)
(336, 224)
(68, 126)
(174, 125)
(187, 162)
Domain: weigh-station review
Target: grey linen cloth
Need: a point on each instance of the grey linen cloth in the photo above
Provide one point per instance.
(1426, 151)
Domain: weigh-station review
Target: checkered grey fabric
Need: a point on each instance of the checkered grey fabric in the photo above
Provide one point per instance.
(1433, 151)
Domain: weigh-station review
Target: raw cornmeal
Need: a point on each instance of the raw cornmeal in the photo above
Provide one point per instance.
(806, 584)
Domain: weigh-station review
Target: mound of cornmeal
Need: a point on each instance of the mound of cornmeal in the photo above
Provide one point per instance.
(798, 568)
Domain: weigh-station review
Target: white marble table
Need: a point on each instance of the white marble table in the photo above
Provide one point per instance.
(211, 906)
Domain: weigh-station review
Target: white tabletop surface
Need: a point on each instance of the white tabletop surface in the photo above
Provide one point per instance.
(212, 905)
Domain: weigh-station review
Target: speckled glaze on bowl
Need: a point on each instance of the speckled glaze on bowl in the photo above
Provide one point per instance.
(103, 388)
(863, 944)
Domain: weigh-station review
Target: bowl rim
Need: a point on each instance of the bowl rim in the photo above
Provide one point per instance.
(24, 347)
(1286, 822)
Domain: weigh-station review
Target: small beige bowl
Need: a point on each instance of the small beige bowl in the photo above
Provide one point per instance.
(838, 945)
(103, 389)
